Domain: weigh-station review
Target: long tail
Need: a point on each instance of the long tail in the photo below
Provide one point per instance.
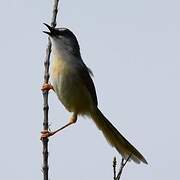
(116, 139)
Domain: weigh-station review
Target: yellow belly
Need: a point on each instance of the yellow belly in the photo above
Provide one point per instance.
(69, 87)
(57, 67)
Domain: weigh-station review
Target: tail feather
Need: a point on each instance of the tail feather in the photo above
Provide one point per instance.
(116, 139)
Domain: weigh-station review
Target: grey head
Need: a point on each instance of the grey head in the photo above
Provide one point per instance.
(65, 38)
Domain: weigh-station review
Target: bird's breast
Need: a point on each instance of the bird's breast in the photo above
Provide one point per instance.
(68, 86)
(57, 67)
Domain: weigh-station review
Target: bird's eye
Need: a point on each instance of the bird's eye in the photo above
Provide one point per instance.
(62, 29)
(61, 32)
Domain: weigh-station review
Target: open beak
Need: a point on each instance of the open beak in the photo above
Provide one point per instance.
(51, 31)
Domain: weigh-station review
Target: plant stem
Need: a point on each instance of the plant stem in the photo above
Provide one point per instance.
(45, 95)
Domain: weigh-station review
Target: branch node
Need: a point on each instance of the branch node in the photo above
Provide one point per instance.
(123, 163)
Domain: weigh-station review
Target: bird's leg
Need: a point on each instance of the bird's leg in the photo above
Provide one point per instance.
(46, 133)
(47, 87)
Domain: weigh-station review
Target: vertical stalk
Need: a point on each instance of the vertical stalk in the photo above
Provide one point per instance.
(45, 95)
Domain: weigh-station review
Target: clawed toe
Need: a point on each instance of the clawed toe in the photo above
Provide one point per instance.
(46, 134)
(47, 87)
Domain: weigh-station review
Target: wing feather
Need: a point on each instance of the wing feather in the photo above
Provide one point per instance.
(85, 74)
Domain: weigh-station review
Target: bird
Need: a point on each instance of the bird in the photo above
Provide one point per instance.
(72, 82)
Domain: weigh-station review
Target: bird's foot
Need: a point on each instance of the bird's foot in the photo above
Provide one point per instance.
(47, 87)
(46, 134)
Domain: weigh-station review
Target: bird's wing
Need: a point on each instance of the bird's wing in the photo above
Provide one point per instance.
(85, 75)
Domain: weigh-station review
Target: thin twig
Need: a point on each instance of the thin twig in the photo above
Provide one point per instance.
(114, 167)
(45, 167)
(123, 163)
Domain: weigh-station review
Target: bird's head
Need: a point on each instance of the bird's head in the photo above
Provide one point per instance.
(63, 39)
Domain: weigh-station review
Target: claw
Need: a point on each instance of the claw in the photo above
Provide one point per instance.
(46, 134)
(47, 87)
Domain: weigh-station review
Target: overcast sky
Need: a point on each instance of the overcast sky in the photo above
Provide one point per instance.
(133, 48)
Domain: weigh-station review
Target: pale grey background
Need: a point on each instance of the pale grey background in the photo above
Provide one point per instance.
(132, 48)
